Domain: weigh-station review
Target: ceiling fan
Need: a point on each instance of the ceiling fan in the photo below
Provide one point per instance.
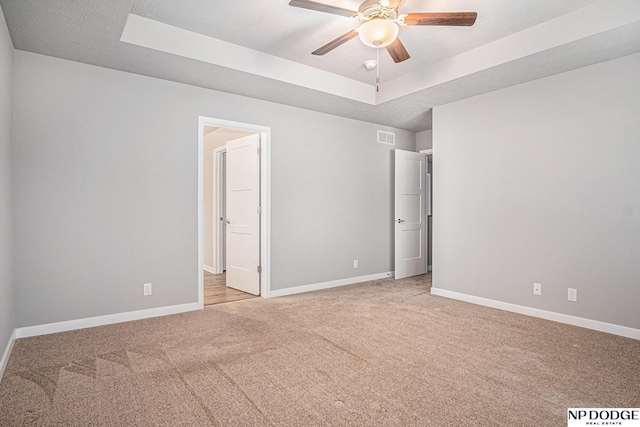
(380, 21)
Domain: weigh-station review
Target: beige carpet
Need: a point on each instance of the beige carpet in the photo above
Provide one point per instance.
(383, 353)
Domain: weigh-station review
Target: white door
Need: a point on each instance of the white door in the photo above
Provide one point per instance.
(243, 219)
(410, 209)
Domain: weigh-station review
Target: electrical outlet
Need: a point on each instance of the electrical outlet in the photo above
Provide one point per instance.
(146, 289)
(537, 289)
(572, 294)
(355, 263)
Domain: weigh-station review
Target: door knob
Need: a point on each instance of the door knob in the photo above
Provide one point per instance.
(228, 221)
(400, 221)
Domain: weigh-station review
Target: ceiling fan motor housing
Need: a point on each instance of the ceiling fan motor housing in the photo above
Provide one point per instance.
(371, 9)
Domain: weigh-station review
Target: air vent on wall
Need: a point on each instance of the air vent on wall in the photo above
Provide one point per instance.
(386, 137)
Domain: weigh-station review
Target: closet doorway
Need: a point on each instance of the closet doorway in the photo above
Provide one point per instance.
(429, 153)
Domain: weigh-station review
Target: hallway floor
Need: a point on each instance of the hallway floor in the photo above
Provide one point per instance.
(217, 292)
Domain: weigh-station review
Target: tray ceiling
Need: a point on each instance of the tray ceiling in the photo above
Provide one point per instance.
(262, 48)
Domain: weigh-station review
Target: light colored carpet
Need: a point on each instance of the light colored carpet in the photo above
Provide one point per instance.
(382, 353)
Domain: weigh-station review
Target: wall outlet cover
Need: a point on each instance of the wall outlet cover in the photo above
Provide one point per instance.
(146, 289)
(572, 294)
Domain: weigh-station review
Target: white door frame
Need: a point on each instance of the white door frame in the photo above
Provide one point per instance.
(218, 225)
(265, 199)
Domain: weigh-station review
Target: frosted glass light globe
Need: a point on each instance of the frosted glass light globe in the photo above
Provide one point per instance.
(378, 32)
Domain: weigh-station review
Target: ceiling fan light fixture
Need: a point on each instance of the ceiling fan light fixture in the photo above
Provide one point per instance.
(378, 32)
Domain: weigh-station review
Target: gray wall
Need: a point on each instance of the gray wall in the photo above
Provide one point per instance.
(105, 168)
(6, 251)
(540, 183)
(424, 140)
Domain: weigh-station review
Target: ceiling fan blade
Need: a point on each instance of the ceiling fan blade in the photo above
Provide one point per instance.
(321, 7)
(441, 18)
(397, 51)
(335, 43)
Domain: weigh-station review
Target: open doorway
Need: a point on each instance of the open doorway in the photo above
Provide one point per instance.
(217, 289)
(229, 152)
(429, 153)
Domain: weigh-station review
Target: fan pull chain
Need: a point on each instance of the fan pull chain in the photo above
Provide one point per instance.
(378, 69)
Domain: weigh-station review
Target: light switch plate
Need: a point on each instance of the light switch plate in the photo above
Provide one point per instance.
(537, 289)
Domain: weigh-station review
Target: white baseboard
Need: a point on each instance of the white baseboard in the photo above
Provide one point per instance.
(596, 325)
(70, 325)
(327, 285)
(209, 269)
(7, 353)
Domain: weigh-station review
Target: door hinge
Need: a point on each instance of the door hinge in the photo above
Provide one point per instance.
(259, 151)
(259, 210)
(259, 269)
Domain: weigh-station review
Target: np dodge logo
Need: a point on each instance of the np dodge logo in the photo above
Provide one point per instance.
(626, 417)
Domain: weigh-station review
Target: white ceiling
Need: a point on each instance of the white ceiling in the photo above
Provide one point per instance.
(262, 48)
